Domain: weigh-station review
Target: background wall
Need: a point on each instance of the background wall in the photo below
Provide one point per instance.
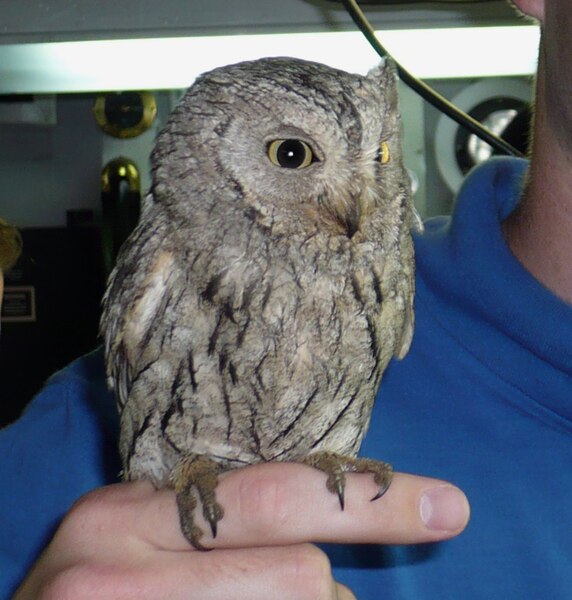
(57, 20)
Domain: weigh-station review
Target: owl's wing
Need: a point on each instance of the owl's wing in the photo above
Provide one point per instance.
(406, 338)
(407, 282)
(140, 287)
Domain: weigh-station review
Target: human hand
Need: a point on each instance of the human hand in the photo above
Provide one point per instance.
(124, 541)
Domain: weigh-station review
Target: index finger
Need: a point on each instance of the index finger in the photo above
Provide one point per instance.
(285, 503)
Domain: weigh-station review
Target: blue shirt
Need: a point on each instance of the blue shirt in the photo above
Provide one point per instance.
(483, 399)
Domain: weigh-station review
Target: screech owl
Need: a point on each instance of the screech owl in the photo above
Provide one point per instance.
(253, 310)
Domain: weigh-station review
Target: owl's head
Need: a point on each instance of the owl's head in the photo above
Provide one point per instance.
(295, 145)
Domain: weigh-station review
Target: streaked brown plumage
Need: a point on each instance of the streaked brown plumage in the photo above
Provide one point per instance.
(270, 280)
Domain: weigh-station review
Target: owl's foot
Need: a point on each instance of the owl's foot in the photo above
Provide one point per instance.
(337, 465)
(197, 476)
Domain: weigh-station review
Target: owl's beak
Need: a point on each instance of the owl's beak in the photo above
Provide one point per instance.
(350, 212)
(346, 212)
(352, 219)
(355, 212)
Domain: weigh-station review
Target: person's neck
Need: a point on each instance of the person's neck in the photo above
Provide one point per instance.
(539, 232)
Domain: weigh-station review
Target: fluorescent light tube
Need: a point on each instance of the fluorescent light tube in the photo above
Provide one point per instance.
(173, 63)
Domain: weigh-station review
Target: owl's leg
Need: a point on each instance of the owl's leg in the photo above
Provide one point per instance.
(337, 465)
(197, 475)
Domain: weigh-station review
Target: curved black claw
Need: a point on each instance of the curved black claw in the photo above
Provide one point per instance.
(336, 465)
(383, 476)
(382, 489)
(340, 492)
(213, 528)
(331, 464)
(212, 512)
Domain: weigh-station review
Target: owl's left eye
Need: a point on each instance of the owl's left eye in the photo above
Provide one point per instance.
(290, 154)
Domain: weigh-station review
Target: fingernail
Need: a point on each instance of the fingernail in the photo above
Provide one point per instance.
(444, 508)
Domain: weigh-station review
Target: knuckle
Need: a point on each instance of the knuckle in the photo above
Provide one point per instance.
(312, 572)
(90, 514)
(71, 583)
(80, 519)
(94, 580)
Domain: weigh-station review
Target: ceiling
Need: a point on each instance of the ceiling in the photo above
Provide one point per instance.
(61, 20)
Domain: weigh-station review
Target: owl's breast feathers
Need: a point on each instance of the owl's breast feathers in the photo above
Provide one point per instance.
(266, 351)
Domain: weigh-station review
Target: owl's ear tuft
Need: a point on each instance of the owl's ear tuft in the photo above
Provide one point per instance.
(385, 70)
(384, 78)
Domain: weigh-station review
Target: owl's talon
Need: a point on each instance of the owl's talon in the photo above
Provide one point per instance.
(197, 473)
(337, 486)
(382, 489)
(212, 511)
(186, 504)
(213, 528)
(342, 500)
(336, 465)
(382, 475)
(213, 514)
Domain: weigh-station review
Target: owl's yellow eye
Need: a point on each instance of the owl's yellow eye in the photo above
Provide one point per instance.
(290, 154)
(384, 154)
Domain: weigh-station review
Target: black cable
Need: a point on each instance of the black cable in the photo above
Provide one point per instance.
(426, 92)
